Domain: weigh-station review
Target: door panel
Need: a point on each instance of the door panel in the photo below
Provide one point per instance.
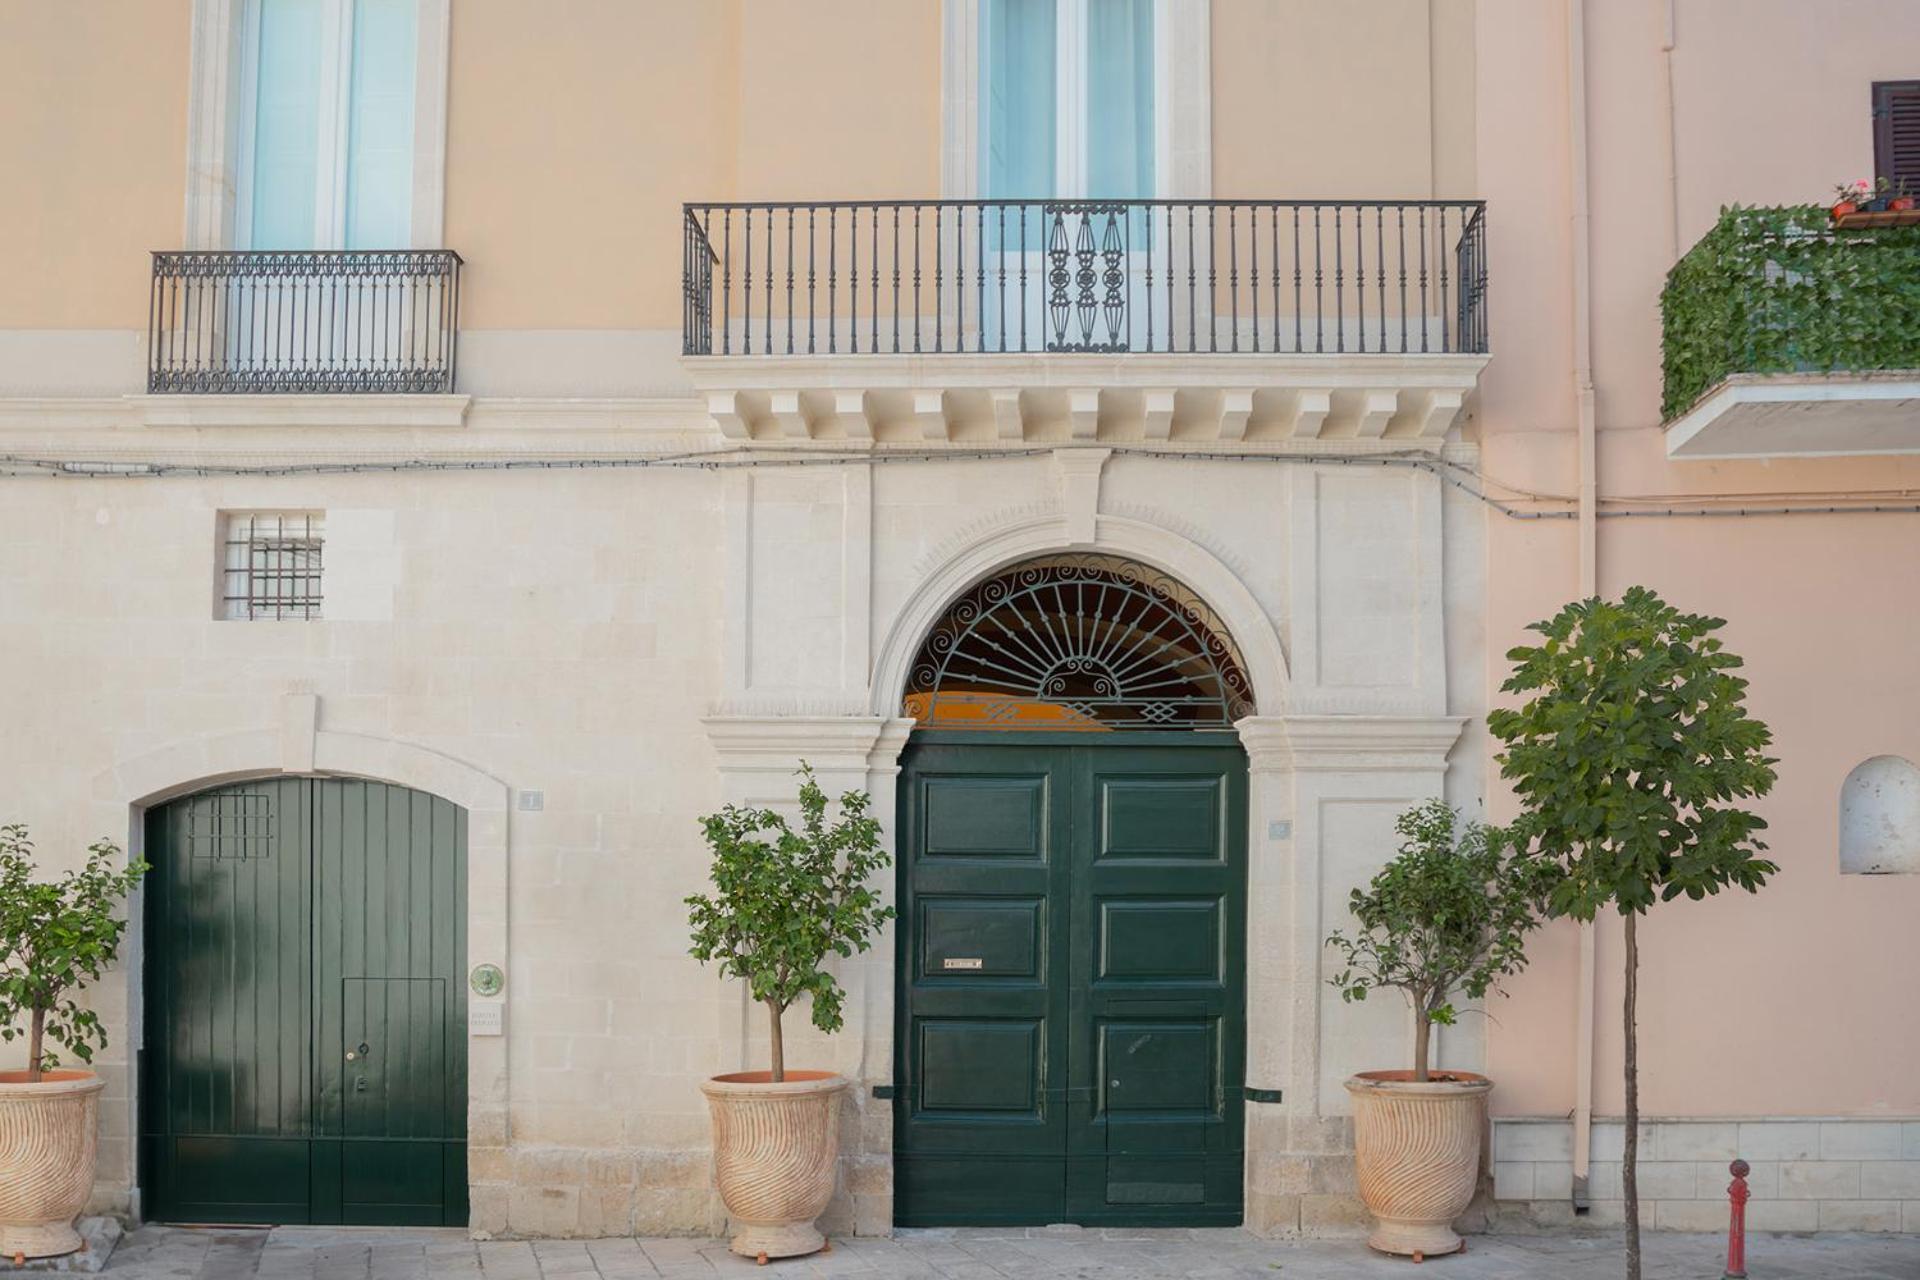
(289, 922)
(228, 983)
(1159, 883)
(1071, 990)
(983, 1024)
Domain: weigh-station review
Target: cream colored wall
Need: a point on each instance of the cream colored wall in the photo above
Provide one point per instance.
(93, 143)
(1782, 1004)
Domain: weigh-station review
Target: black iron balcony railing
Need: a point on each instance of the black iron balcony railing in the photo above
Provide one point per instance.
(1088, 276)
(348, 320)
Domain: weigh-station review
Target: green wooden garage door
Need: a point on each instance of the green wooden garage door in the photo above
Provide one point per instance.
(1071, 980)
(305, 1043)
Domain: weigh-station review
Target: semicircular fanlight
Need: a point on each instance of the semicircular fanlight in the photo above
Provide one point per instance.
(1085, 643)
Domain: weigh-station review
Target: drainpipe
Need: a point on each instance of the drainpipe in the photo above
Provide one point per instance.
(1580, 248)
(1668, 39)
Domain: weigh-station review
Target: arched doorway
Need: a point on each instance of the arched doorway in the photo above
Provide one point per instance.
(304, 1056)
(1071, 971)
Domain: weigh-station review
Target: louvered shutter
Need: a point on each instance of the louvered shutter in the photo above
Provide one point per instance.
(1896, 132)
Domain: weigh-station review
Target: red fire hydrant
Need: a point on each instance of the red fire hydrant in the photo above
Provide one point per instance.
(1737, 1222)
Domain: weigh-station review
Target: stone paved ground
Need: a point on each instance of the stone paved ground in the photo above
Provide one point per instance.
(311, 1253)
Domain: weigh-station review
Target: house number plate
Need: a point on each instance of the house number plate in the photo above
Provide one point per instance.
(961, 962)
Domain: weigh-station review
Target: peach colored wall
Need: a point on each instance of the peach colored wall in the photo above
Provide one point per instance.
(1313, 100)
(1796, 1001)
(572, 144)
(575, 131)
(93, 142)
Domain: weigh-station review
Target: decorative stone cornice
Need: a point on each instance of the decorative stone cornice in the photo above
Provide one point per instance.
(777, 744)
(1364, 744)
(1265, 400)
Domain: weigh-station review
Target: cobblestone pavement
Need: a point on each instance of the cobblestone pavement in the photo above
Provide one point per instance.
(313, 1253)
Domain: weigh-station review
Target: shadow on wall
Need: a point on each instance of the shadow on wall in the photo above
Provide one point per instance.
(1880, 818)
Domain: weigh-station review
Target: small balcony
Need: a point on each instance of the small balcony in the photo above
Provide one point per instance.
(304, 323)
(1085, 319)
(1786, 336)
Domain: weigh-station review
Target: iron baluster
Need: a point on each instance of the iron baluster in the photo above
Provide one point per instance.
(1000, 267)
(1380, 268)
(1446, 334)
(1193, 340)
(1233, 271)
(1360, 272)
(1400, 227)
(939, 283)
(1423, 279)
(1253, 269)
(790, 212)
(1339, 284)
(980, 275)
(1213, 276)
(1319, 283)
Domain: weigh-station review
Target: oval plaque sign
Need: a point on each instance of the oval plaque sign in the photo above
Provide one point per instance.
(487, 980)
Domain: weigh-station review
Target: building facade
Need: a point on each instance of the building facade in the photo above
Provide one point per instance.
(451, 446)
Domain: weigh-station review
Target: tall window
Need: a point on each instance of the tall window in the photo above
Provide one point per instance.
(329, 101)
(1067, 98)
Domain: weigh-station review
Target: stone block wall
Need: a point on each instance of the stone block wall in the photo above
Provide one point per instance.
(1846, 1174)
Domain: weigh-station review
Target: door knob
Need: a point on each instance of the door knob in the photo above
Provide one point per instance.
(351, 1055)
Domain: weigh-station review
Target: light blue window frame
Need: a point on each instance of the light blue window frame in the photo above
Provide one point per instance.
(329, 107)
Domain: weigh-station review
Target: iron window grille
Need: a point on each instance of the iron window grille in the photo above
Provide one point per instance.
(271, 566)
(230, 825)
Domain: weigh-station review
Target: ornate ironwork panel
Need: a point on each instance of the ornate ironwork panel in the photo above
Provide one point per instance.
(1078, 642)
(299, 321)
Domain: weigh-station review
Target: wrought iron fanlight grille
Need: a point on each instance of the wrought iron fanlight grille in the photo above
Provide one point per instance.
(1081, 643)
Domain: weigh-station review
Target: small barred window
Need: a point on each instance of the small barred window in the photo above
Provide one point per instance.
(270, 565)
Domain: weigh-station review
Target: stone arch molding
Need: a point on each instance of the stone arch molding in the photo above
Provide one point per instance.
(182, 768)
(1136, 539)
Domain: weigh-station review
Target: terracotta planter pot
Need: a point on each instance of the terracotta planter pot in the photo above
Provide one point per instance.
(1417, 1155)
(1845, 207)
(775, 1148)
(49, 1140)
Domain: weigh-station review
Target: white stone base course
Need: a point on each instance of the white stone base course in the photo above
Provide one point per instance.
(1813, 1174)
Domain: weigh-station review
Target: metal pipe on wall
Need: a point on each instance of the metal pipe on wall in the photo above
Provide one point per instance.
(1580, 249)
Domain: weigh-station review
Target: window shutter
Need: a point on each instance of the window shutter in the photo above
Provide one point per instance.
(1896, 132)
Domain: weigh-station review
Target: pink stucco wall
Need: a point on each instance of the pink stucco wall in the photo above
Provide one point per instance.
(1800, 1001)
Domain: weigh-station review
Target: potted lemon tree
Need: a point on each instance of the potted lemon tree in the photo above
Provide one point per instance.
(55, 937)
(783, 900)
(1447, 917)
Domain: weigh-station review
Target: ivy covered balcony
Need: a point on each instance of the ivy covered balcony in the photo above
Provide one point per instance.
(1787, 336)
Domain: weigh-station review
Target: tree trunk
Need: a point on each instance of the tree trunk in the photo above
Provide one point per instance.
(779, 1048)
(36, 1045)
(1629, 1172)
(1422, 1044)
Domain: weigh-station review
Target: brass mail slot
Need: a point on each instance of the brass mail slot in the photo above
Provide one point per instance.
(961, 962)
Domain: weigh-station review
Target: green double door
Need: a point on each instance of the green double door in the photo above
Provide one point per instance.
(304, 1058)
(1071, 990)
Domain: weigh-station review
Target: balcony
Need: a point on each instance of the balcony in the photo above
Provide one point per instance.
(1788, 337)
(304, 327)
(1078, 319)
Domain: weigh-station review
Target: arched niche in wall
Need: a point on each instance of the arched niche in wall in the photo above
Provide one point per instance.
(1880, 818)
